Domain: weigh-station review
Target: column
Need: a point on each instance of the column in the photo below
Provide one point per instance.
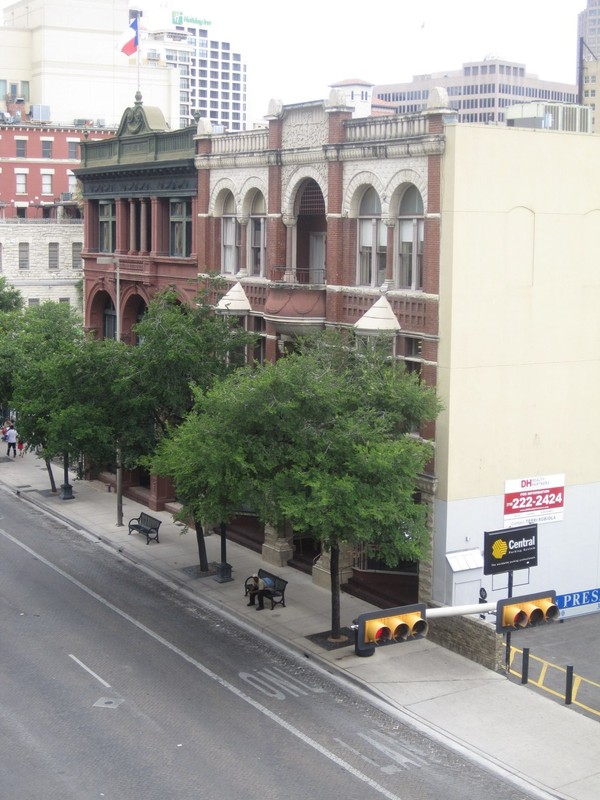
(290, 248)
(144, 226)
(132, 218)
(278, 546)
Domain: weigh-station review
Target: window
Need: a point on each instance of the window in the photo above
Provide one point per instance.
(23, 255)
(46, 148)
(230, 236)
(0, 256)
(21, 182)
(76, 248)
(46, 183)
(372, 241)
(410, 240)
(109, 321)
(107, 230)
(21, 146)
(33, 301)
(180, 215)
(73, 148)
(258, 235)
(53, 255)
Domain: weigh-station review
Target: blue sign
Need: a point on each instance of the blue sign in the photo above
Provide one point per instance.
(579, 600)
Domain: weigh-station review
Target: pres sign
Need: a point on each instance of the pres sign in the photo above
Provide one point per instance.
(510, 549)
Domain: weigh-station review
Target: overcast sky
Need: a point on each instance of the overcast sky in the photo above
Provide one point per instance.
(294, 51)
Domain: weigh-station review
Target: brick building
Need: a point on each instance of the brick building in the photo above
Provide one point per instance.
(41, 229)
(457, 237)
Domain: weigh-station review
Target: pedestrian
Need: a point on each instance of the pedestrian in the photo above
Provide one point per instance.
(257, 592)
(20, 447)
(11, 439)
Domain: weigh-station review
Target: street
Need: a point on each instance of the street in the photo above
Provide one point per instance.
(117, 686)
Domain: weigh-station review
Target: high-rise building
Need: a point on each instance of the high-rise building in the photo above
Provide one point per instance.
(479, 91)
(212, 76)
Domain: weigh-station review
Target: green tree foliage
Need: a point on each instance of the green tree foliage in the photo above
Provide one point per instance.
(321, 439)
(181, 346)
(11, 298)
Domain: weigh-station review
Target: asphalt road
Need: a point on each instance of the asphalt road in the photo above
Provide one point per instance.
(117, 686)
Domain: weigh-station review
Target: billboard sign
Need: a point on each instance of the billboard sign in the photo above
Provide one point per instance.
(506, 550)
(534, 500)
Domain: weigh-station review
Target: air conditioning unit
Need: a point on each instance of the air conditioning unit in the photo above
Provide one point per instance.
(65, 196)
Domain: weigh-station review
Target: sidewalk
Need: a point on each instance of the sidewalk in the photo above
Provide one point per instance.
(543, 744)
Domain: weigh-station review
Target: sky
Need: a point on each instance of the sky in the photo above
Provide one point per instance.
(293, 52)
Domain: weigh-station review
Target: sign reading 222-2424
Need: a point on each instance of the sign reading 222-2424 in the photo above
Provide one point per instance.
(534, 500)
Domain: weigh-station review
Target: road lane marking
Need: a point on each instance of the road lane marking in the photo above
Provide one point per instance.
(87, 669)
(210, 674)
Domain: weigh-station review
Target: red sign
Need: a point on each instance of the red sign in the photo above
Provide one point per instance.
(537, 499)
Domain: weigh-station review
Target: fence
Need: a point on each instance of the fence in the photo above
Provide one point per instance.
(561, 682)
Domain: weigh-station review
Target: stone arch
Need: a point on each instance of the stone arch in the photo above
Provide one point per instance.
(293, 184)
(217, 195)
(397, 186)
(97, 300)
(248, 191)
(355, 190)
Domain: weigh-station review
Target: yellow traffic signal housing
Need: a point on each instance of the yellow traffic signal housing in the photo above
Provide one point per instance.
(376, 628)
(516, 613)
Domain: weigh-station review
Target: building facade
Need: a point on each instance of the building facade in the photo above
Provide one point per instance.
(479, 92)
(42, 259)
(212, 81)
(459, 234)
(58, 67)
(41, 229)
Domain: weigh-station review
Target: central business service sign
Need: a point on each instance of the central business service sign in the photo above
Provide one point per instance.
(510, 549)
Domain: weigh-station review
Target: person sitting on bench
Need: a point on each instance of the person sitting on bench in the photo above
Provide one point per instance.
(257, 591)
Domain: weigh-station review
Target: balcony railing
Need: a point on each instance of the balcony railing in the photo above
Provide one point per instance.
(301, 275)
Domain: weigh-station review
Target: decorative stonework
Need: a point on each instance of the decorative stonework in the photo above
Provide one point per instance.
(305, 128)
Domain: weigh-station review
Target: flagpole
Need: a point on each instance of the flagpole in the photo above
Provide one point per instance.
(139, 14)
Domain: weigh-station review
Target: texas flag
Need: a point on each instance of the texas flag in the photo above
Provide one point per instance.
(130, 38)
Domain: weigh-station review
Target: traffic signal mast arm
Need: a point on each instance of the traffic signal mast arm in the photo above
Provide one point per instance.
(387, 626)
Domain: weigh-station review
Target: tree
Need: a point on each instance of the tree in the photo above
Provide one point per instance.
(322, 440)
(73, 394)
(11, 298)
(181, 346)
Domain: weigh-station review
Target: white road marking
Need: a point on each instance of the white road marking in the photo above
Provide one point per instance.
(87, 669)
(210, 674)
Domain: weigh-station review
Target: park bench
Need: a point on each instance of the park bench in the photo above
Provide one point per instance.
(274, 587)
(147, 525)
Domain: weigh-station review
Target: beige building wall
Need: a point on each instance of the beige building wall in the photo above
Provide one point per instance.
(70, 54)
(519, 356)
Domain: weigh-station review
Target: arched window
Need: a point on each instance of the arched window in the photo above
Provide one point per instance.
(410, 240)
(109, 320)
(257, 240)
(231, 237)
(372, 241)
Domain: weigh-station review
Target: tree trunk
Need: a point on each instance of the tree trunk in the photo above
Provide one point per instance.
(334, 571)
(201, 546)
(51, 475)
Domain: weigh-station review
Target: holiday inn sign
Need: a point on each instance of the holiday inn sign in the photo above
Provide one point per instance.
(179, 18)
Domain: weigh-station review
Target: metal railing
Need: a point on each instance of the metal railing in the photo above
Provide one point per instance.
(301, 275)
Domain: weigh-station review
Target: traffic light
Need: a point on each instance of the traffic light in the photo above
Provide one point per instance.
(516, 613)
(392, 625)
